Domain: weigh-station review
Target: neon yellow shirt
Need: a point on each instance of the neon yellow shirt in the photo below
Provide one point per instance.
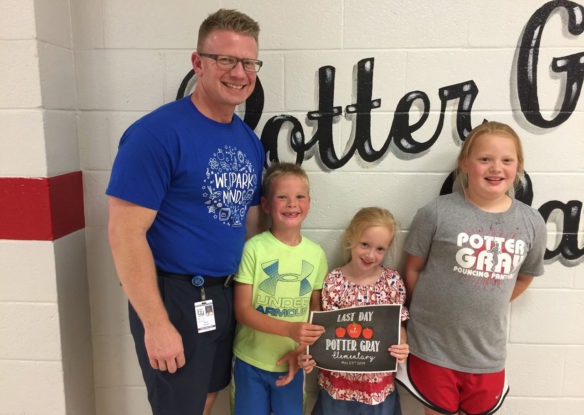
(283, 278)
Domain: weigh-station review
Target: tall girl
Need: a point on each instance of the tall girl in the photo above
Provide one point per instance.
(470, 254)
(362, 281)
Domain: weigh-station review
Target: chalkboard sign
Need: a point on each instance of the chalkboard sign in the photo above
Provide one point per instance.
(356, 339)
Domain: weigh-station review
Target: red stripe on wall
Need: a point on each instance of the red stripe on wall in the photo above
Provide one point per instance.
(41, 209)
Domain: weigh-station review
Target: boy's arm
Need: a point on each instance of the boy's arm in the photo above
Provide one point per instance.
(302, 333)
(305, 361)
(315, 300)
(414, 265)
(521, 285)
(292, 358)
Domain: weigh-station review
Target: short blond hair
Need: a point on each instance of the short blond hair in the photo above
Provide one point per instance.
(282, 169)
(231, 20)
(495, 128)
(365, 218)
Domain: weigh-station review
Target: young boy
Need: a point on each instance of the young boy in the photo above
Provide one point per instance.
(279, 281)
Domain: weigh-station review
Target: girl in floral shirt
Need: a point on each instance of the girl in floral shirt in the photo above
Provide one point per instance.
(362, 281)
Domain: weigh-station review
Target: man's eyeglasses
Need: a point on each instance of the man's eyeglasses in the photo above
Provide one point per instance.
(227, 62)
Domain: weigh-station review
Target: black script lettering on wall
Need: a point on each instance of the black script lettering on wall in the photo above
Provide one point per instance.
(572, 65)
(568, 245)
(400, 132)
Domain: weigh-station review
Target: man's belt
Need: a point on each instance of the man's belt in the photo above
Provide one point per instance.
(198, 280)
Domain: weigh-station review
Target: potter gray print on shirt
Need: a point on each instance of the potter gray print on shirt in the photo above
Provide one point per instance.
(488, 256)
(228, 186)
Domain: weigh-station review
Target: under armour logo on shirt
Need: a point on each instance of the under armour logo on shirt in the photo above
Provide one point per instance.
(271, 269)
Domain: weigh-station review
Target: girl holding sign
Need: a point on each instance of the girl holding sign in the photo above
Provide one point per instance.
(362, 281)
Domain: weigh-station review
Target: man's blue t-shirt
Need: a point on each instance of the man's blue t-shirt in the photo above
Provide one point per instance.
(200, 175)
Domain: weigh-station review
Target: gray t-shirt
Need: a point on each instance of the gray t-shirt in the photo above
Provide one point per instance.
(460, 302)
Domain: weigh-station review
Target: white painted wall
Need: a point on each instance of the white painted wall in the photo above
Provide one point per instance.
(130, 57)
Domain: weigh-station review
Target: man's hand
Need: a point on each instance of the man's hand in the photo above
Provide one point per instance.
(305, 333)
(292, 359)
(164, 347)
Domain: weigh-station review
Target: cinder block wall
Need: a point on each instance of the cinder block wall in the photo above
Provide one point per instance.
(45, 347)
(130, 58)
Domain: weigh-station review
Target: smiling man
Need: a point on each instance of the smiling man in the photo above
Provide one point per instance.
(184, 191)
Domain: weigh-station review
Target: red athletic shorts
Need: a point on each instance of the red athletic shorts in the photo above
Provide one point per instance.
(448, 391)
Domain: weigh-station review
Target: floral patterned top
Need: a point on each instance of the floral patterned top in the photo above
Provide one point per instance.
(337, 293)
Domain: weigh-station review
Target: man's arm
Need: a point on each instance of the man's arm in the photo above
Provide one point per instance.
(256, 221)
(303, 333)
(128, 224)
(414, 265)
(521, 285)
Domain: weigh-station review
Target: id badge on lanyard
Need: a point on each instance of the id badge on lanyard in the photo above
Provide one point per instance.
(204, 312)
(205, 316)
